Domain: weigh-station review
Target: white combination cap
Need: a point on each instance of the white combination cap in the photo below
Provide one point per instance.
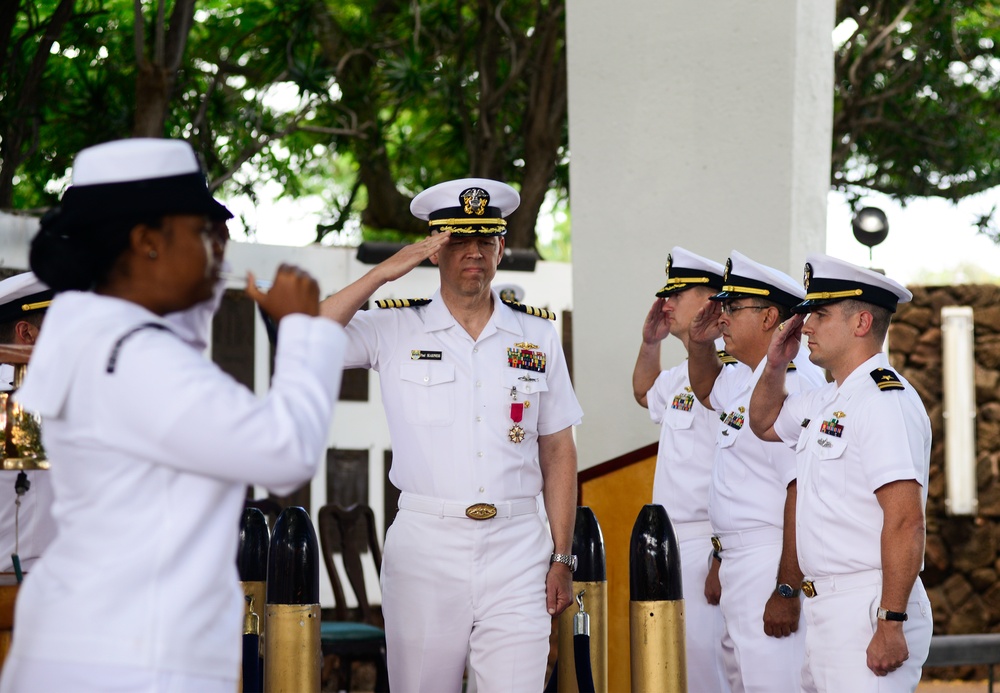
(744, 278)
(23, 294)
(686, 269)
(467, 206)
(828, 279)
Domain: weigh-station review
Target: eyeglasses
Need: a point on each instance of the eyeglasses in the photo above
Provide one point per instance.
(729, 309)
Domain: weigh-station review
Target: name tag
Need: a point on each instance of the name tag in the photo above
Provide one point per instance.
(418, 355)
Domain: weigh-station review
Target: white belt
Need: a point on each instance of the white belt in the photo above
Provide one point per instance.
(750, 537)
(475, 511)
(841, 583)
(692, 530)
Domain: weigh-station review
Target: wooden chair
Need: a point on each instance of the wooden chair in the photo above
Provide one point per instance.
(362, 638)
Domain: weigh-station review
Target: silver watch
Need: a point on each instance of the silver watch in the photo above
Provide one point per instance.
(565, 559)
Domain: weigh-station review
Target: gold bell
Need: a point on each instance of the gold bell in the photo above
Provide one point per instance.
(21, 431)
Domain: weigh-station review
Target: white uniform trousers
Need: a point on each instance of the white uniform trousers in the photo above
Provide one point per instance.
(842, 620)
(702, 621)
(22, 674)
(452, 586)
(755, 662)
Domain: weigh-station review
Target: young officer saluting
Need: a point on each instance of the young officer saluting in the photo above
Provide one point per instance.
(863, 452)
(685, 455)
(480, 409)
(752, 499)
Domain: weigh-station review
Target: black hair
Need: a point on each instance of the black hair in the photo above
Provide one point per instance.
(7, 334)
(82, 257)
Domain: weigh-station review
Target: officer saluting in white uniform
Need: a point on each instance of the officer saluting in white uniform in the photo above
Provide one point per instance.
(863, 451)
(752, 498)
(25, 528)
(684, 457)
(480, 409)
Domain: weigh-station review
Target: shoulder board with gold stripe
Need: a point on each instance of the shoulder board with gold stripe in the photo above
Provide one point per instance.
(886, 379)
(791, 367)
(530, 310)
(726, 358)
(402, 302)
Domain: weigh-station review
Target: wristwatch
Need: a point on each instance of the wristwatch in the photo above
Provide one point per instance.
(565, 559)
(886, 615)
(787, 591)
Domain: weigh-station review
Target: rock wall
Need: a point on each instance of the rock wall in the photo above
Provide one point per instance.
(962, 560)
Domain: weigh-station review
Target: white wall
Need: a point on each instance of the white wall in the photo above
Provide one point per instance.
(702, 124)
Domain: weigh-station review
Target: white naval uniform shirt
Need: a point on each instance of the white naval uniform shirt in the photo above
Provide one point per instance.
(448, 397)
(687, 446)
(750, 476)
(150, 465)
(851, 440)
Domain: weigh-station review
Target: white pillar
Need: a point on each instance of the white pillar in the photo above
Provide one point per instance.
(701, 124)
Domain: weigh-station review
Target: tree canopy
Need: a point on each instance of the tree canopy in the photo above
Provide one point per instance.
(365, 102)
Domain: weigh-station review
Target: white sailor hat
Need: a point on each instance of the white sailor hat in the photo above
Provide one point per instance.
(22, 295)
(828, 280)
(744, 278)
(135, 178)
(685, 270)
(467, 206)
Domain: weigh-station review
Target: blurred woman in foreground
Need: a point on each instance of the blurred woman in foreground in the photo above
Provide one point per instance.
(151, 444)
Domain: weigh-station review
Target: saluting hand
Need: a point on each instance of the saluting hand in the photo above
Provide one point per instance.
(785, 341)
(411, 256)
(705, 326)
(293, 291)
(656, 328)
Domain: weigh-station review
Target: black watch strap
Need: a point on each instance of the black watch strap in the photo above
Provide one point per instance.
(886, 615)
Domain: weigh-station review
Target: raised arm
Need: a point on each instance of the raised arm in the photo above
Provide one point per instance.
(769, 393)
(647, 365)
(342, 305)
(704, 365)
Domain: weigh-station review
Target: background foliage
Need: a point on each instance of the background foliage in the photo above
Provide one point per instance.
(365, 102)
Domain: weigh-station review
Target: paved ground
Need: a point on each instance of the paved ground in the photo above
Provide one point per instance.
(955, 687)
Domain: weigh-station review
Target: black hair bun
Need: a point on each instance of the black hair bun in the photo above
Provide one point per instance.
(57, 259)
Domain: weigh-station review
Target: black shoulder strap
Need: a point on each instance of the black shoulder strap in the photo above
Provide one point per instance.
(113, 359)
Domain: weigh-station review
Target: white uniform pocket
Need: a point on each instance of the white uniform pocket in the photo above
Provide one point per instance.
(524, 387)
(428, 392)
(830, 462)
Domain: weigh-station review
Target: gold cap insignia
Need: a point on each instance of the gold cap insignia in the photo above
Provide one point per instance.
(474, 201)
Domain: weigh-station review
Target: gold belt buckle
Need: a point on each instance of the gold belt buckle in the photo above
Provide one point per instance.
(481, 511)
(716, 543)
(808, 588)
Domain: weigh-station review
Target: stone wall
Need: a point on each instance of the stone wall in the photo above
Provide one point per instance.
(962, 560)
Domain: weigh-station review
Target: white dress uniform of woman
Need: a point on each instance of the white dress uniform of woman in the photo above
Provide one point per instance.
(749, 486)
(474, 406)
(26, 524)
(151, 444)
(853, 437)
(684, 467)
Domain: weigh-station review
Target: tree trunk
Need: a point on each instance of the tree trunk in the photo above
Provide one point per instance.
(22, 118)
